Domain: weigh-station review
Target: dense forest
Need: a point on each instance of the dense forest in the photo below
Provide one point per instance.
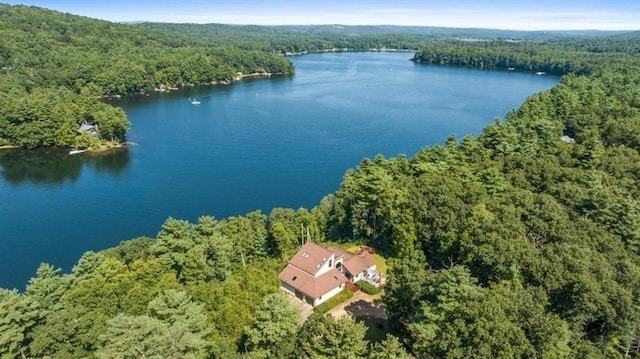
(522, 242)
(317, 38)
(55, 66)
(557, 57)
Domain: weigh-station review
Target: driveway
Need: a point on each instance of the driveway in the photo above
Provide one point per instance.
(361, 305)
(305, 309)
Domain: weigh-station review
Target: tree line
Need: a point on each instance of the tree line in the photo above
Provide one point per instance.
(197, 290)
(316, 38)
(520, 242)
(46, 55)
(55, 66)
(558, 57)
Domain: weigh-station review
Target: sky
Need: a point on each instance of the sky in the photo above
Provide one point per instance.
(494, 14)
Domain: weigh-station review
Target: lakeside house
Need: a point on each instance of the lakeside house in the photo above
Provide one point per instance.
(315, 274)
(88, 127)
(567, 139)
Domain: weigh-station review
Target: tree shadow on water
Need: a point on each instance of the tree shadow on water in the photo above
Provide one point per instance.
(54, 167)
(111, 162)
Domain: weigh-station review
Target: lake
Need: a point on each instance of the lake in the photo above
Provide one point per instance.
(257, 144)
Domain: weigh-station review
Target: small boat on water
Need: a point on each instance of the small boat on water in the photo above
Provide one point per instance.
(541, 73)
(194, 101)
(76, 151)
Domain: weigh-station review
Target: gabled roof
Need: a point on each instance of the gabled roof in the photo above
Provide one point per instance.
(301, 273)
(310, 258)
(339, 252)
(313, 287)
(355, 263)
(359, 262)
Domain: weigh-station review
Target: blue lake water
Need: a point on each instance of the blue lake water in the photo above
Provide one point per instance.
(258, 144)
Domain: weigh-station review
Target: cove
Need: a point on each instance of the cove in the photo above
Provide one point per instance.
(257, 144)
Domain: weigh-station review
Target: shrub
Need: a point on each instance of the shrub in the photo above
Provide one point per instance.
(337, 299)
(367, 287)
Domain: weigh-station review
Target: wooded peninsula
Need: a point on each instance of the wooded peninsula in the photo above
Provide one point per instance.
(55, 67)
(522, 242)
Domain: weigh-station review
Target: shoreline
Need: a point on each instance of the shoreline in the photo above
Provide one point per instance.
(162, 88)
(166, 88)
(103, 149)
(109, 147)
(344, 49)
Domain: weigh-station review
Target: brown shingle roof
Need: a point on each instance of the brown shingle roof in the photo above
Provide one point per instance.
(354, 263)
(359, 262)
(301, 272)
(310, 258)
(312, 287)
(339, 252)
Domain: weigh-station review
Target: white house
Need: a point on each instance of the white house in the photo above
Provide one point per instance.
(355, 266)
(315, 274)
(88, 127)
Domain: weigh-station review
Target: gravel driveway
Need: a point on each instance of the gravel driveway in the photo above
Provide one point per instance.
(361, 305)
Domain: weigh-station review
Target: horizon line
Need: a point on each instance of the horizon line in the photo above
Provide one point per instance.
(363, 25)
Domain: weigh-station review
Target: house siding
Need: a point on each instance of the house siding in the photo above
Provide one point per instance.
(313, 271)
(328, 295)
(287, 288)
(325, 266)
(357, 277)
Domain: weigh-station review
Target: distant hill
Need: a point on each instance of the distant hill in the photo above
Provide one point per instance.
(312, 38)
(372, 30)
(631, 34)
(447, 32)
